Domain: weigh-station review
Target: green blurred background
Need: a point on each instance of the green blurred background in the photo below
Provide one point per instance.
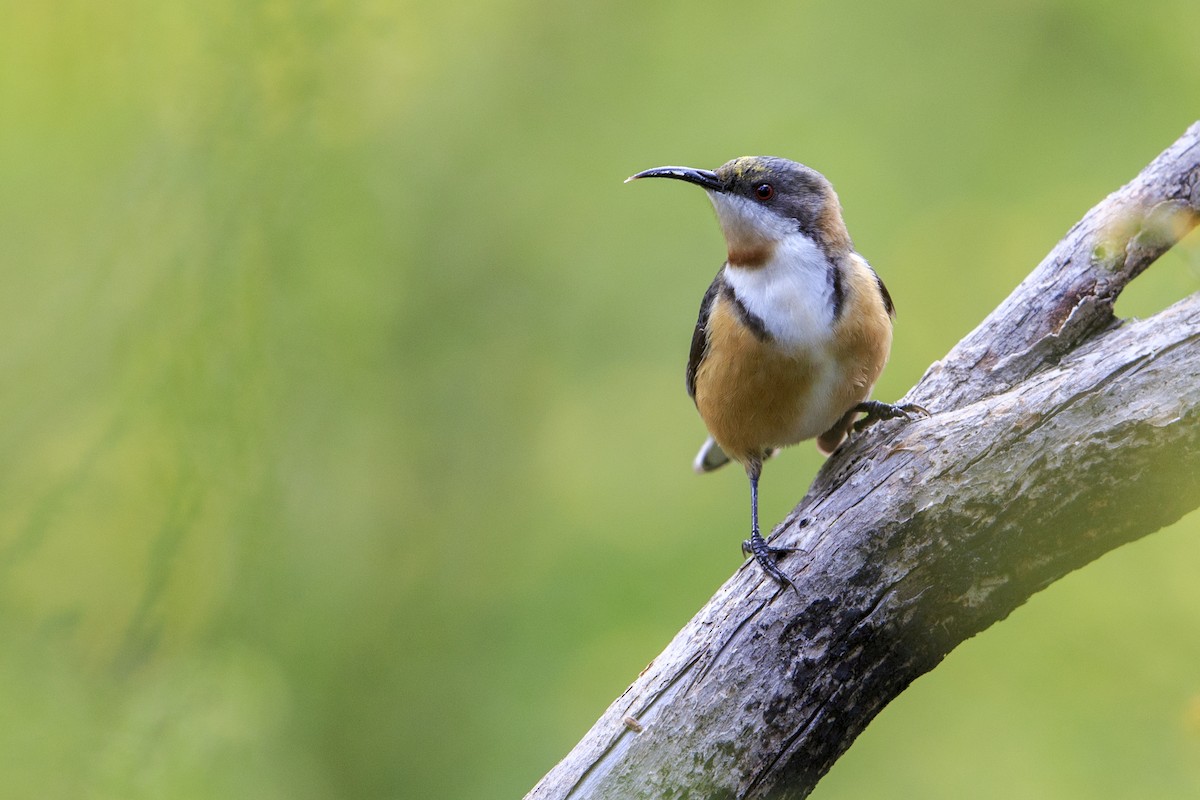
(345, 445)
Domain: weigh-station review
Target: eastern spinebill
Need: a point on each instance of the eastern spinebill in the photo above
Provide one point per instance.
(794, 330)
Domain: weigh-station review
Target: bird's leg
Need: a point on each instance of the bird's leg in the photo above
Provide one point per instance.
(876, 411)
(756, 545)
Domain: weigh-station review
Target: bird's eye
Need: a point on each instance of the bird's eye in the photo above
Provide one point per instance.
(764, 191)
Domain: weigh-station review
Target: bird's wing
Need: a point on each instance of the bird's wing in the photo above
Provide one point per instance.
(700, 335)
(884, 294)
(887, 296)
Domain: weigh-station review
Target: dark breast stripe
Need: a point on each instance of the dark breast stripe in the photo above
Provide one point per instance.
(836, 288)
(751, 321)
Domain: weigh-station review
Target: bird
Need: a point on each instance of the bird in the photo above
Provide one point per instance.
(794, 330)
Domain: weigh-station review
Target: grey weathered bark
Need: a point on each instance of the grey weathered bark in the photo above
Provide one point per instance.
(1059, 433)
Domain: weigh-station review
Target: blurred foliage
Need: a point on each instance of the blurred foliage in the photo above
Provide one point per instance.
(345, 447)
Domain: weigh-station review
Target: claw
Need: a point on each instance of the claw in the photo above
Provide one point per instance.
(764, 554)
(876, 411)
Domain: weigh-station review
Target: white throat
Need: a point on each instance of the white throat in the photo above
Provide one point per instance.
(792, 293)
(746, 223)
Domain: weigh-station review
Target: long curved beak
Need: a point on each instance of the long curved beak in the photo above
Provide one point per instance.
(701, 177)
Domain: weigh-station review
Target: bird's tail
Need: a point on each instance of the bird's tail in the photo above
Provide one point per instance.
(710, 457)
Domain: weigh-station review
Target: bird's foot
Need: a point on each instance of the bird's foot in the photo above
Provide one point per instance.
(765, 555)
(876, 411)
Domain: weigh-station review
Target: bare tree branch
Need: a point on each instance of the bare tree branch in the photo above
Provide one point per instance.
(1058, 434)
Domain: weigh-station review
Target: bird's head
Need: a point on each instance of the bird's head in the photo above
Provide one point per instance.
(763, 200)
